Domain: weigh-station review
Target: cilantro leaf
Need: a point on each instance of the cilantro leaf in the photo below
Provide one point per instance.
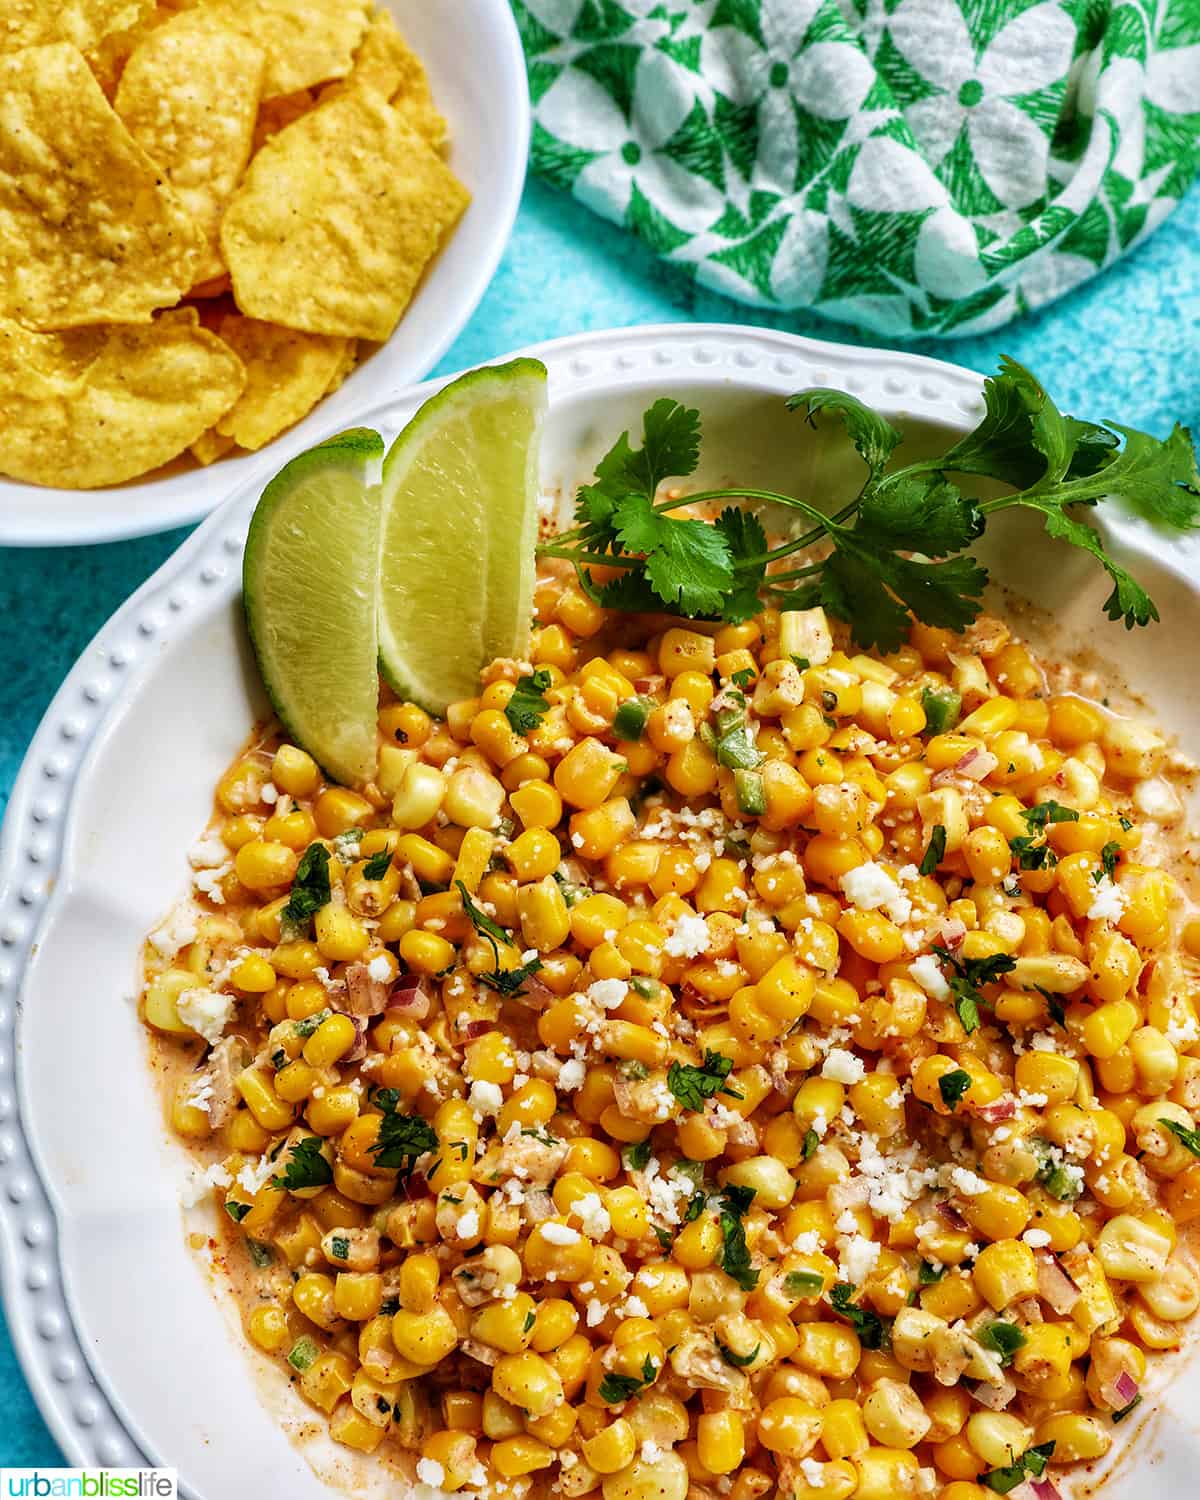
(670, 449)
(872, 435)
(747, 544)
(735, 1253)
(810, 1143)
(870, 1327)
(1032, 853)
(306, 1167)
(528, 705)
(503, 981)
(616, 1388)
(935, 852)
(1128, 601)
(310, 889)
(1003, 1339)
(637, 1156)
(510, 981)
(738, 1361)
(687, 562)
(1033, 1462)
(923, 514)
(378, 865)
(1109, 856)
(968, 978)
(953, 1085)
(401, 1139)
(1186, 1137)
(237, 1211)
(928, 1274)
(692, 1085)
(1049, 812)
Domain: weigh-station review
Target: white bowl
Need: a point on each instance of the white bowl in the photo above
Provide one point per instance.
(130, 1358)
(472, 52)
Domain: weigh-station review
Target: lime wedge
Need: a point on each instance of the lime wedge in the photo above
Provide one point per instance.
(309, 583)
(458, 529)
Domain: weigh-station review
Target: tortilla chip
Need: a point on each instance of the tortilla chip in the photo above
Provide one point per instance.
(306, 41)
(387, 63)
(108, 58)
(97, 406)
(89, 233)
(345, 366)
(287, 373)
(83, 23)
(337, 218)
(190, 98)
(210, 446)
(276, 113)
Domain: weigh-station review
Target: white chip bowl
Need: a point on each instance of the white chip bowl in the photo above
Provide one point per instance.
(472, 53)
(132, 1357)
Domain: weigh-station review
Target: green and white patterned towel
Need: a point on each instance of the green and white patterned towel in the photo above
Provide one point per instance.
(912, 166)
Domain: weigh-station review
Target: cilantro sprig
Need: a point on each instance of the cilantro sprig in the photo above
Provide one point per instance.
(871, 1329)
(900, 545)
(310, 890)
(1032, 1462)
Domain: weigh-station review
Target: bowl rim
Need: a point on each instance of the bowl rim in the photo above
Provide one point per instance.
(91, 1422)
(28, 517)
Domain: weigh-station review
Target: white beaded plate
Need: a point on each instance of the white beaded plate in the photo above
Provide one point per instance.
(113, 1319)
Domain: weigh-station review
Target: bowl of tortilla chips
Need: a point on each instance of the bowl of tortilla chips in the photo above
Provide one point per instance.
(224, 223)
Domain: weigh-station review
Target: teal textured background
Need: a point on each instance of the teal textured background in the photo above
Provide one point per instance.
(1125, 346)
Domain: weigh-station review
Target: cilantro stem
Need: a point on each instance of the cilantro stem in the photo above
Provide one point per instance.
(600, 559)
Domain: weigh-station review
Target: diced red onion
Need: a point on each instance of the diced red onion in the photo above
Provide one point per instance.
(1003, 1108)
(409, 998)
(952, 934)
(974, 765)
(474, 1029)
(536, 994)
(415, 1186)
(1055, 1285)
(1044, 1489)
(359, 1050)
(649, 684)
(1126, 1387)
(995, 1397)
(951, 1214)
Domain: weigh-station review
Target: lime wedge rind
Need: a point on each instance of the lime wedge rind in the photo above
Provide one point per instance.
(310, 584)
(458, 526)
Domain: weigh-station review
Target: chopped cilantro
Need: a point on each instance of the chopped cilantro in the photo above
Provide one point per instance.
(738, 1361)
(617, 1388)
(1032, 1462)
(1003, 1339)
(745, 677)
(928, 1274)
(809, 1144)
(378, 865)
(692, 1085)
(953, 1085)
(637, 1156)
(1049, 812)
(1109, 856)
(310, 889)
(935, 852)
(870, 1327)
(237, 1211)
(1186, 1137)
(735, 1253)
(527, 706)
(401, 1139)
(306, 1166)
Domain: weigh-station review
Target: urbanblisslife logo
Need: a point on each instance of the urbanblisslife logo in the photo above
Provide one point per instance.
(90, 1484)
